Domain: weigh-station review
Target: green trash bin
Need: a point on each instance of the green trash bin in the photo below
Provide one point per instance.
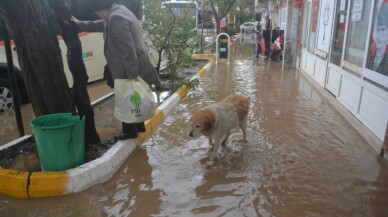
(60, 140)
(223, 48)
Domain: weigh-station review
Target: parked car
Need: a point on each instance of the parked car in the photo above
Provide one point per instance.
(92, 54)
(247, 27)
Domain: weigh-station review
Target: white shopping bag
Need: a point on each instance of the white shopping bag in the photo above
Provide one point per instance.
(134, 100)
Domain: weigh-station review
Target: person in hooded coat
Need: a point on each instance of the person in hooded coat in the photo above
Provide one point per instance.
(124, 49)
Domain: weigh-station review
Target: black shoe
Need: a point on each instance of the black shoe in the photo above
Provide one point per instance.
(124, 136)
(141, 127)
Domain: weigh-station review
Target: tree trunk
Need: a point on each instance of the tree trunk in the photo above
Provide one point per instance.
(40, 58)
(215, 14)
(39, 55)
(220, 12)
(77, 68)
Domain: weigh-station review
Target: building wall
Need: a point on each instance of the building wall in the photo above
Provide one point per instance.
(363, 92)
(299, 4)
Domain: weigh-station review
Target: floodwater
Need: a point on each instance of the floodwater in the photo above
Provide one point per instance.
(302, 158)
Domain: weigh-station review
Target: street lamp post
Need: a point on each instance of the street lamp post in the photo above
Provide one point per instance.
(236, 18)
(255, 9)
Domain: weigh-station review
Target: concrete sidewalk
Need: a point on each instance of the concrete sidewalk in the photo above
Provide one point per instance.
(22, 184)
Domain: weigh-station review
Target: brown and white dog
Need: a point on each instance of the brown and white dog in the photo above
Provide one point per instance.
(217, 120)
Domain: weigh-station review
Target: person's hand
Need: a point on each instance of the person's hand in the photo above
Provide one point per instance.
(74, 20)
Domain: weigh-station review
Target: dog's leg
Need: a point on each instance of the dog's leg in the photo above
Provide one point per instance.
(211, 141)
(226, 138)
(217, 143)
(243, 127)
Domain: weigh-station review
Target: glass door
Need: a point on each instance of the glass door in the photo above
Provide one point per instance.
(339, 32)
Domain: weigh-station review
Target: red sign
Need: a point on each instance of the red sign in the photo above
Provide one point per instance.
(315, 16)
(298, 4)
(223, 23)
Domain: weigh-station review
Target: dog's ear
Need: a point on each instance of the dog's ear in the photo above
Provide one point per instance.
(208, 125)
(209, 120)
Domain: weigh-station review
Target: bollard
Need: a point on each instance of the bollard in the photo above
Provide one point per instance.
(222, 46)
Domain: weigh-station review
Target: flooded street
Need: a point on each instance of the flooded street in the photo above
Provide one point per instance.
(302, 158)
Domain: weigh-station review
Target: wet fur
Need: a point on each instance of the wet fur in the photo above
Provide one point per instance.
(217, 120)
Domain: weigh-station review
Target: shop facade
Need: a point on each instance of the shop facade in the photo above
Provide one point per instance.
(343, 46)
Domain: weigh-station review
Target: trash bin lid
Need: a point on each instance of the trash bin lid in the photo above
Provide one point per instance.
(54, 121)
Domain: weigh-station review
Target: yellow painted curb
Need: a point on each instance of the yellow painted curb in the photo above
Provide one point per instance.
(202, 72)
(182, 91)
(45, 184)
(150, 125)
(205, 56)
(13, 183)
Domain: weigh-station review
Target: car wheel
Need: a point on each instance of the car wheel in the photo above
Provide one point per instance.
(6, 96)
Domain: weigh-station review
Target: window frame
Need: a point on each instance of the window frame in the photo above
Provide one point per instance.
(368, 73)
(345, 63)
(335, 30)
(306, 24)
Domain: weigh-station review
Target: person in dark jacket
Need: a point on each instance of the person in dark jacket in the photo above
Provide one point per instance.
(268, 24)
(124, 49)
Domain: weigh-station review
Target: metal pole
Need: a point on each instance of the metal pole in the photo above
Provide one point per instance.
(12, 80)
(285, 34)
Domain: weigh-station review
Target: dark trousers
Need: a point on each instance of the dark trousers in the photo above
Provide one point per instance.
(133, 128)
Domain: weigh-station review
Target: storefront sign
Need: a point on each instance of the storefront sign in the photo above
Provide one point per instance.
(342, 5)
(298, 4)
(357, 10)
(325, 24)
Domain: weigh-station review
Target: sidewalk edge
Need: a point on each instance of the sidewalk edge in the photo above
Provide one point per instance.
(22, 184)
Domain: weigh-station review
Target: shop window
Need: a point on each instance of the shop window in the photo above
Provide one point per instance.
(357, 31)
(378, 46)
(339, 32)
(283, 21)
(312, 42)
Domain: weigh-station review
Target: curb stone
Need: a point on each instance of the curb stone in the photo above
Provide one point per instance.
(21, 184)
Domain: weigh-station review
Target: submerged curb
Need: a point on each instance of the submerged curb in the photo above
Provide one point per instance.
(22, 184)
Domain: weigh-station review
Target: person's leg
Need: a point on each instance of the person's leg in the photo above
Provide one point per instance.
(129, 131)
(267, 51)
(141, 127)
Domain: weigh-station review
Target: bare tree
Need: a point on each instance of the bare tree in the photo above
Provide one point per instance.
(40, 59)
(39, 55)
(77, 68)
(220, 9)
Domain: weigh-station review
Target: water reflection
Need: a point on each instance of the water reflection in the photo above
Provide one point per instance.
(9, 129)
(132, 190)
(301, 159)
